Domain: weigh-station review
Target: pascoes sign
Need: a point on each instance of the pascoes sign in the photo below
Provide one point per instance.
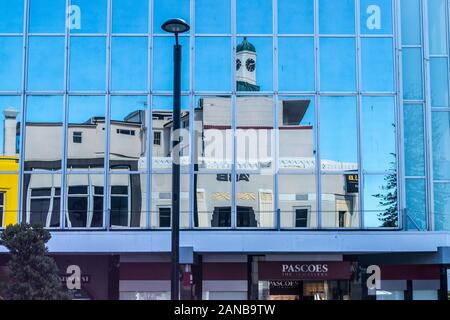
(271, 270)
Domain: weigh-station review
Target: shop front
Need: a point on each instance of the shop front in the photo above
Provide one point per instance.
(304, 280)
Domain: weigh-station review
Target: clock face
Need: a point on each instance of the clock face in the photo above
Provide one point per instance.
(238, 64)
(251, 65)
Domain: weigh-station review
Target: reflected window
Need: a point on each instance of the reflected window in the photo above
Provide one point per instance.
(130, 16)
(77, 137)
(377, 65)
(213, 16)
(337, 17)
(11, 66)
(296, 16)
(296, 64)
(376, 16)
(129, 73)
(297, 201)
(11, 16)
(165, 217)
(87, 16)
(2, 207)
(213, 64)
(338, 134)
(254, 16)
(378, 134)
(46, 63)
(221, 217)
(380, 201)
(47, 16)
(337, 64)
(87, 63)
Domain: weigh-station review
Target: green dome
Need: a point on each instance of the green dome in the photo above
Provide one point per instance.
(245, 46)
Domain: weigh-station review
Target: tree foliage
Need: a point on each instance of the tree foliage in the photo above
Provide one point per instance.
(33, 273)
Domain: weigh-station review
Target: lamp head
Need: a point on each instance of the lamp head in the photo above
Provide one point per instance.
(175, 26)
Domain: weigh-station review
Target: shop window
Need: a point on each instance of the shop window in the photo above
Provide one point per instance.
(164, 217)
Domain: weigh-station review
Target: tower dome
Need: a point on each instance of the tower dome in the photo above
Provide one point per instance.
(245, 46)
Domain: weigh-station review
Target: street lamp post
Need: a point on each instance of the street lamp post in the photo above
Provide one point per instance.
(176, 26)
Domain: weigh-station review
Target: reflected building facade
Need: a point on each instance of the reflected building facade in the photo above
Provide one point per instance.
(304, 145)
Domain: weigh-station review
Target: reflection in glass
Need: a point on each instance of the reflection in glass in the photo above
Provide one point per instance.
(338, 134)
(43, 199)
(254, 60)
(130, 16)
(162, 201)
(297, 126)
(47, 16)
(337, 64)
(337, 16)
(255, 200)
(91, 17)
(11, 66)
(296, 64)
(46, 63)
(377, 64)
(439, 82)
(213, 134)
(11, 16)
(44, 122)
(412, 74)
(376, 16)
(380, 201)
(213, 16)
(296, 16)
(87, 63)
(163, 67)
(213, 200)
(10, 112)
(213, 64)
(9, 195)
(128, 132)
(416, 205)
(378, 134)
(84, 201)
(260, 12)
(162, 110)
(442, 206)
(128, 199)
(255, 134)
(86, 132)
(441, 145)
(414, 135)
(168, 9)
(340, 196)
(297, 201)
(129, 73)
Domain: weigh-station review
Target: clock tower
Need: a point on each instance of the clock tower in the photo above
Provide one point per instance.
(246, 67)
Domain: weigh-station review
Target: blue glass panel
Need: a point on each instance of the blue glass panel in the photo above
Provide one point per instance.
(442, 206)
(45, 109)
(378, 134)
(129, 73)
(11, 16)
(213, 16)
(130, 16)
(439, 82)
(437, 26)
(414, 140)
(46, 63)
(296, 16)
(441, 145)
(412, 74)
(168, 9)
(296, 64)
(87, 63)
(376, 16)
(163, 63)
(47, 16)
(91, 15)
(377, 56)
(11, 63)
(213, 74)
(337, 64)
(380, 201)
(411, 22)
(338, 131)
(336, 16)
(416, 218)
(254, 16)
